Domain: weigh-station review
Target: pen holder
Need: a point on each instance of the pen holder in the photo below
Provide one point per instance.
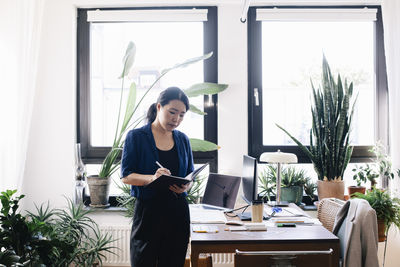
(257, 208)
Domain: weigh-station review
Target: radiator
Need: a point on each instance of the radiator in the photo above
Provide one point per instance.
(121, 235)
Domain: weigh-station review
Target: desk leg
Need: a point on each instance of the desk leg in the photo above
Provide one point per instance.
(194, 257)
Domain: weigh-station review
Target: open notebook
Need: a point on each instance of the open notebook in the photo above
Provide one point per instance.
(199, 215)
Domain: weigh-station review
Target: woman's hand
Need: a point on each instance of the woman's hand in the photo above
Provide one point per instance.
(180, 189)
(160, 172)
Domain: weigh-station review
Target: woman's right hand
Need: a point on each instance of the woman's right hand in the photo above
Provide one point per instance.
(160, 172)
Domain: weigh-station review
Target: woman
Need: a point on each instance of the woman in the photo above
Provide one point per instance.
(161, 224)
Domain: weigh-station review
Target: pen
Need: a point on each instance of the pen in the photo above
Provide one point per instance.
(159, 165)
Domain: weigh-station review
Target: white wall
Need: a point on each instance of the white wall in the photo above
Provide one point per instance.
(50, 161)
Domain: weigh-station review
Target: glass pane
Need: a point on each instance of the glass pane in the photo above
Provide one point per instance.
(158, 46)
(292, 55)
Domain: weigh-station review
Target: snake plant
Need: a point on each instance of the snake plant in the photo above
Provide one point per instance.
(332, 112)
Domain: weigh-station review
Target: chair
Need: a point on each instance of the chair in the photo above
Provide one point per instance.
(221, 190)
(283, 258)
(357, 229)
(327, 210)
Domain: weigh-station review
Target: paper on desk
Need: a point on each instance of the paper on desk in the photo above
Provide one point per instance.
(286, 212)
(296, 220)
(206, 216)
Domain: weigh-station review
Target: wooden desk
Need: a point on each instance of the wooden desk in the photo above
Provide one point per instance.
(300, 238)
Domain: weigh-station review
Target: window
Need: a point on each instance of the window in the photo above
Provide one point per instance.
(286, 46)
(163, 38)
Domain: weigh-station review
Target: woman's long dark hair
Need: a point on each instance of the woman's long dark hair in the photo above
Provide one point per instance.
(171, 93)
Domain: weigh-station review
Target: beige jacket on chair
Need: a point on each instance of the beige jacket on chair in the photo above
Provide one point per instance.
(361, 234)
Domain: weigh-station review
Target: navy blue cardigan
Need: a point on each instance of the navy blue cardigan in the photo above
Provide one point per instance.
(140, 155)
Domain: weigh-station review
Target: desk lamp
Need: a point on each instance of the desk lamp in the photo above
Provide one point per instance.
(280, 158)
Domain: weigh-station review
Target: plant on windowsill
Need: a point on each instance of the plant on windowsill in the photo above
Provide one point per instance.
(292, 183)
(309, 189)
(384, 164)
(99, 184)
(329, 149)
(362, 174)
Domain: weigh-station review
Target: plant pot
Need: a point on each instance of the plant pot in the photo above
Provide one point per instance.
(381, 230)
(353, 189)
(292, 194)
(99, 189)
(327, 189)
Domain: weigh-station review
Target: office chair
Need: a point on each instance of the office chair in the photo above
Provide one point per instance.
(283, 258)
(221, 190)
(327, 210)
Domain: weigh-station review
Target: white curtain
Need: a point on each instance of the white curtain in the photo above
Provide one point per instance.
(20, 30)
(391, 28)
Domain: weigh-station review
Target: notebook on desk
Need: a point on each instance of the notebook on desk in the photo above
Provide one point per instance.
(198, 215)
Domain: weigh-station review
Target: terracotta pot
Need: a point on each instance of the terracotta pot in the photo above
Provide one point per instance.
(327, 189)
(381, 230)
(99, 189)
(352, 189)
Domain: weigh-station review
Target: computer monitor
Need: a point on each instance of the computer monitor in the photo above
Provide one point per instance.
(249, 179)
(221, 190)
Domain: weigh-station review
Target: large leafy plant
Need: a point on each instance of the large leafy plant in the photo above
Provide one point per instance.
(332, 112)
(111, 162)
(49, 237)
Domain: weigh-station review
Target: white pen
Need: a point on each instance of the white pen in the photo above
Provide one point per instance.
(159, 165)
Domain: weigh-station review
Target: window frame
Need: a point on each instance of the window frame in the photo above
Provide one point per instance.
(96, 154)
(255, 126)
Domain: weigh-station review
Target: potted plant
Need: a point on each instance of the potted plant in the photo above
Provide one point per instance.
(362, 175)
(384, 162)
(329, 149)
(309, 189)
(49, 237)
(292, 183)
(387, 210)
(99, 184)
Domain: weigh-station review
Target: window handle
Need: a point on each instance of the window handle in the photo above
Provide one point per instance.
(256, 97)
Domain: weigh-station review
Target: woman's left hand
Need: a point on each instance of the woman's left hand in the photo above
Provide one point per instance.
(180, 189)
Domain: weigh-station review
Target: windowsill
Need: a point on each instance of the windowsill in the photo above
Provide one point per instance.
(109, 209)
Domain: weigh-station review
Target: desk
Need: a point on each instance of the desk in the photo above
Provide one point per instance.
(314, 237)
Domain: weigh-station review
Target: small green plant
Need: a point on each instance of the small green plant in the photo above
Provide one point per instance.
(309, 188)
(125, 200)
(195, 192)
(383, 161)
(362, 174)
(290, 177)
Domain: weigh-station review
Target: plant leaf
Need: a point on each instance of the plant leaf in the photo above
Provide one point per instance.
(196, 110)
(130, 107)
(187, 62)
(202, 145)
(128, 59)
(205, 89)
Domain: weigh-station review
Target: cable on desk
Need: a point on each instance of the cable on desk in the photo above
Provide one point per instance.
(235, 215)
